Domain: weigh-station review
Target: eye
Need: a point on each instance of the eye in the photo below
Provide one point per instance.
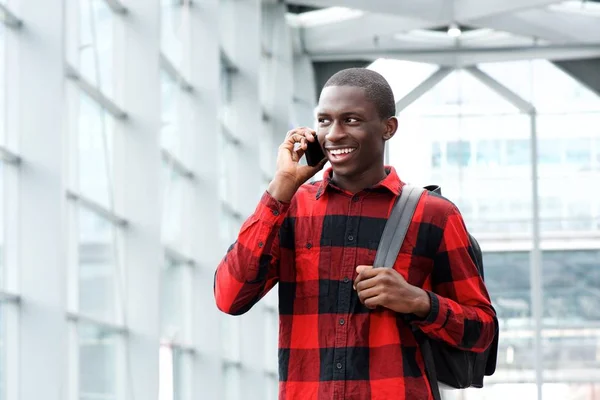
(351, 120)
(323, 121)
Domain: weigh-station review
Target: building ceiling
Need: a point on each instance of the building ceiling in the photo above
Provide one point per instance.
(491, 30)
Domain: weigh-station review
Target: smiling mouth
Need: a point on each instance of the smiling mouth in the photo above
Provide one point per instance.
(340, 154)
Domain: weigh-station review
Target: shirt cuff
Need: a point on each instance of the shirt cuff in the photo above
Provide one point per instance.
(271, 210)
(437, 317)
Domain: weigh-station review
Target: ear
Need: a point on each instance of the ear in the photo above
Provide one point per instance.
(391, 125)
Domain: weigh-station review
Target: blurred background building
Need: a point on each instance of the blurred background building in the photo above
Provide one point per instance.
(137, 135)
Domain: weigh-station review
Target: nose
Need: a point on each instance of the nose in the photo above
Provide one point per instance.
(335, 132)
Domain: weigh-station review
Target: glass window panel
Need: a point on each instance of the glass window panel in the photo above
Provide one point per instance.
(403, 76)
(172, 313)
(231, 338)
(460, 92)
(176, 191)
(458, 153)
(175, 30)
(578, 152)
(177, 119)
(571, 280)
(96, 58)
(95, 141)
(518, 152)
(97, 266)
(232, 382)
(544, 84)
(271, 336)
(489, 153)
(550, 151)
(436, 154)
(97, 363)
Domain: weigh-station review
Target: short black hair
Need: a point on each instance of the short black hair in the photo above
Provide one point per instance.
(376, 86)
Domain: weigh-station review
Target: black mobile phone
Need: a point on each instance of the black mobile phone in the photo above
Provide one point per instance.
(314, 153)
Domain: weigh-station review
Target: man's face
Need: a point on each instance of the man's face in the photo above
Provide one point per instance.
(350, 130)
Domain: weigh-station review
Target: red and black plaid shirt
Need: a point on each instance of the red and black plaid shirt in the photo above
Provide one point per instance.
(330, 345)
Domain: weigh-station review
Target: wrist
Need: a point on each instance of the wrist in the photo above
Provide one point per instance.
(282, 188)
(422, 304)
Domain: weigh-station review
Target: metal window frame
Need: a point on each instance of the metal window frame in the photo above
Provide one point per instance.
(95, 207)
(9, 157)
(177, 164)
(95, 93)
(9, 19)
(231, 211)
(175, 74)
(178, 257)
(6, 297)
(116, 6)
(110, 327)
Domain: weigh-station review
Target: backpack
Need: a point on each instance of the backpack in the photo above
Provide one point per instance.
(446, 366)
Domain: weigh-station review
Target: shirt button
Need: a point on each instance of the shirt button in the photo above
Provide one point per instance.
(355, 199)
(342, 322)
(260, 244)
(339, 365)
(275, 212)
(346, 280)
(350, 238)
(308, 245)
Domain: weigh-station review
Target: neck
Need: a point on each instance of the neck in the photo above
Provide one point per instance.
(356, 183)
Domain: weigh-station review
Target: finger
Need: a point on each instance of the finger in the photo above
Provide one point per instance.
(365, 294)
(366, 283)
(364, 272)
(375, 301)
(309, 134)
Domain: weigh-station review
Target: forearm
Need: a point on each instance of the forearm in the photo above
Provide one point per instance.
(249, 268)
(468, 327)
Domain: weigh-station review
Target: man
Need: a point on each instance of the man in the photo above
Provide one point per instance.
(345, 327)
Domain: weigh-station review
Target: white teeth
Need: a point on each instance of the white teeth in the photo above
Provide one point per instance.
(341, 151)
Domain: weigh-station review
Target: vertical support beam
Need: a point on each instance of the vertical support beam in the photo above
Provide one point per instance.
(40, 96)
(536, 260)
(140, 193)
(205, 78)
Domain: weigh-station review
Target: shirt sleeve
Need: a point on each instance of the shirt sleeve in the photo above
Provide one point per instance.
(250, 268)
(461, 311)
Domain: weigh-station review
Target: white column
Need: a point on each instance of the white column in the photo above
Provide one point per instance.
(42, 242)
(207, 372)
(141, 193)
(305, 99)
(537, 289)
(279, 88)
(247, 126)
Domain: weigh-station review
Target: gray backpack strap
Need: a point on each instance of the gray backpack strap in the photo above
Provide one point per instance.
(397, 226)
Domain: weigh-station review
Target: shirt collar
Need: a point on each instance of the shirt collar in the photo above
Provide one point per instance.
(391, 182)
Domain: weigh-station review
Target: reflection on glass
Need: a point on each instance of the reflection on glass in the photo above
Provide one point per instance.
(97, 363)
(97, 267)
(458, 153)
(96, 61)
(95, 141)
